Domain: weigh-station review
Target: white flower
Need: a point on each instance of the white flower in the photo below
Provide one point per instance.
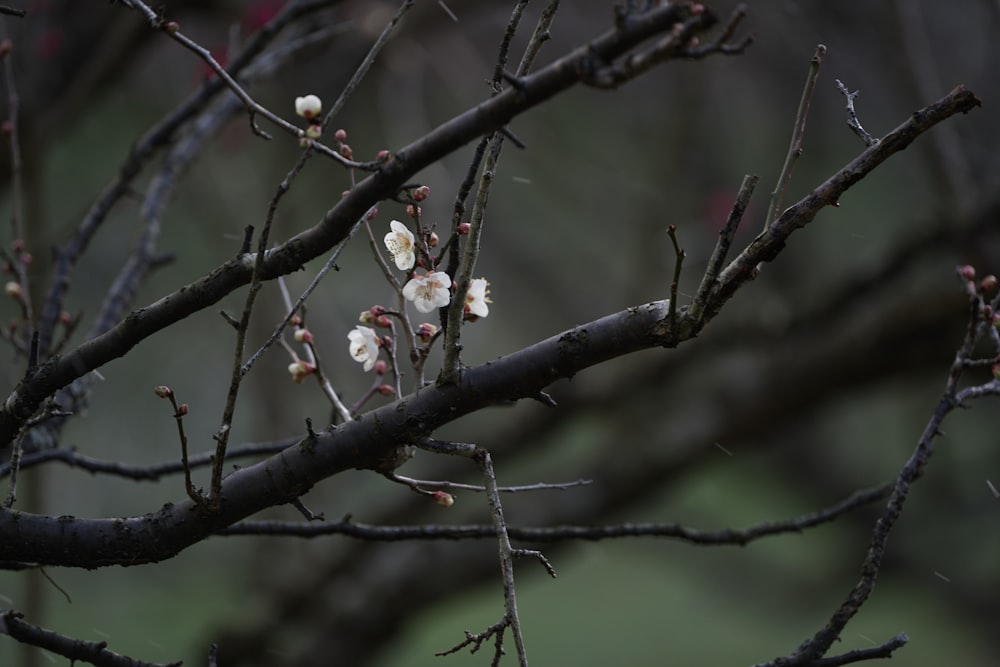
(364, 346)
(428, 292)
(476, 299)
(400, 243)
(308, 107)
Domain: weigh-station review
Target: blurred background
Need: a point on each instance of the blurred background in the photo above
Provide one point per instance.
(814, 382)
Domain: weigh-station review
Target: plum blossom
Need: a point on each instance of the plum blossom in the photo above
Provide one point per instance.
(308, 107)
(400, 243)
(428, 292)
(477, 298)
(364, 346)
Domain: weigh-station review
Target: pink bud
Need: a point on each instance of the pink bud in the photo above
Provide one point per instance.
(340, 135)
(346, 151)
(314, 132)
(386, 390)
(381, 367)
(382, 156)
(463, 228)
(303, 336)
(413, 211)
(989, 283)
(300, 370)
(383, 322)
(163, 391)
(171, 27)
(967, 272)
(425, 332)
(377, 310)
(421, 193)
(182, 410)
(366, 317)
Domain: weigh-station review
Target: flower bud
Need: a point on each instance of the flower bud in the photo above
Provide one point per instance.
(386, 390)
(163, 391)
(182, 410)
(377, 310)
(425, 332)
(383, 321)
(413, 211)
(989, 283)
(443, 498)
(967, 272)
(171, 27)
(346, 151)
(13, 290)
(308, 107)
(381, 367)
(340, 135)
(433, 240)
(463, 228)
(383, 156)
(366, 317)
(303, 336)
(300, 370)
(421, 193)
(314, 132)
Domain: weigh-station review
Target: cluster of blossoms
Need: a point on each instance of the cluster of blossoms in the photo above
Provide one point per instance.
(427, 291)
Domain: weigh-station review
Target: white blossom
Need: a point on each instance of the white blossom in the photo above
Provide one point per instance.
(428, 292)
(364, 346)
(308, 107)
(400, 243)
(477, 298)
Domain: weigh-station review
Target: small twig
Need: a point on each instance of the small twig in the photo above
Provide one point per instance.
(860, 655)
(679, 256)
(852, 117)
(306, 512)
(537, 555)
(506, 551)
(13, 11)
(540, 486)
(142, 472)
(330, 263)
(721, 251)
(476, 640)
(798, 130)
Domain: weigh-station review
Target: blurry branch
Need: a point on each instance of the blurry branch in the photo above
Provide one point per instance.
(77, 650)
(798, 131)
(336, 224)
(695, 536)
(11, 11)
(158, 137)
(142, 472)
(980, 330)
(372, 441)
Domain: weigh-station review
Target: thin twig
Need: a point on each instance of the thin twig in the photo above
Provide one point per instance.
(679, 256)
(721, 251)
(798, 130)
(852, 116)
